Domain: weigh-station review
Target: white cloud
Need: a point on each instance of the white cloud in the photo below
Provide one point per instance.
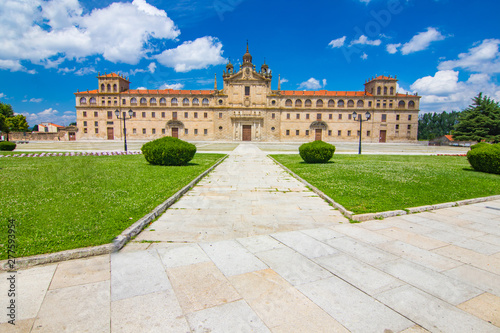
(85, 70)
(393, 48)
(39, 30)
(445, 92)
(14, 66)
(197, 54)
(174, 86)
(283, 80)
(484, 58)
(364, 56)
(50, 115)
(2, 95)
(66, 70)
(141, 88)
(421, 41)
(363, 40)
(33, 100)
(152, 67)
(48, 112)
(339, 42)
(312, 84)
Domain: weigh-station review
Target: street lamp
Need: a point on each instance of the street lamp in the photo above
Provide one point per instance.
(360, 117)
(124, 117)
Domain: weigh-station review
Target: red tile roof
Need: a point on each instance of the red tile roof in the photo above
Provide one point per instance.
(50, 124)
(110, 75)
(95, 91)
(382, 77)
(449, 137)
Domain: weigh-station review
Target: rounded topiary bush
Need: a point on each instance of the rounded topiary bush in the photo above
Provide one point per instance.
(485, 158)
(479, 145)
(7, 145)
(316, 152)
(168, 151)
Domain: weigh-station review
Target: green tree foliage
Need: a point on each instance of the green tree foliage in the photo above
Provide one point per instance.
(6, 110)
(479, 122)
(17, 123)
(433, 125)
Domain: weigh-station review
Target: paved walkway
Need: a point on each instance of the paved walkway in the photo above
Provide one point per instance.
(251, 250)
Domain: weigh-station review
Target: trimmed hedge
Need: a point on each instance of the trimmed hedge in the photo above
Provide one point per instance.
(485, 158)
(479, 145)
(316, 152)
(7, 145)
(168, 151)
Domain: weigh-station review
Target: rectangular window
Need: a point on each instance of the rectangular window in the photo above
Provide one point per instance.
(370, 104)
(196, 114)
(205, 131)
(134, 115)
(153, 131)
(307, 115)
(163, 114)
(110, 114)
(409, 117)
(85, 113)
(384, 118)
(85, 123)
(195, 131)
(349, 116)
(109, 102)
(348, 133)
(397, 117)
(174, 115)
(205, 115)
(124, 101)
(287, 132)
(153, 115)
(287, 116)
(115, 102)
(339, 133)
(96, 131)
(247, 91)
(368, 133)
(307, 132)
(390, 105)
(186, 115)
(220, 115)
(96, 123)
(409, 126)
(378, 105)
(103, 102)
(273, 115)
(144, 115)
(186, 131)
(318, 116)
(384, 105)
(297, 116)
(397, 127)
(143, 131)
(84, 130)
(329, 132)
(340, 116)
(134, 131)
(297, 132)
(330, 116)
(358, 133)
(162, 131)
(96, 114)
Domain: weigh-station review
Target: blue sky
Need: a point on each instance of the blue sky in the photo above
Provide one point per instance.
(446, 50)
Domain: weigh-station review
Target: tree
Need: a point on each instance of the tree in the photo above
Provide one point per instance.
(72, 124)
(6, 110)
(433, 125)
(479, 122)
(17, 123)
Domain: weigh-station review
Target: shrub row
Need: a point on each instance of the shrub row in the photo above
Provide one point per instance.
(316, 152)
(7, 145)
(168, 151)
(485, 157)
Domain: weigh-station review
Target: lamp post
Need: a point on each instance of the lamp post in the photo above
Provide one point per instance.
(124, 117)
(360, 117)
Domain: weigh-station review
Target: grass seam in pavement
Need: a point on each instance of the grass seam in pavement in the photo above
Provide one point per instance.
(118, 242)
(370, 216)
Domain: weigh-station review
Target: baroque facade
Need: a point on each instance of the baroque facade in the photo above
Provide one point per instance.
(247, 109)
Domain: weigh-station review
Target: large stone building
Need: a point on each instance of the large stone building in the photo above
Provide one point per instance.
(247, 109)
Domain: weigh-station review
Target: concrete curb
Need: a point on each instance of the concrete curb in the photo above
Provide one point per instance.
(370, 216)
(118, 242)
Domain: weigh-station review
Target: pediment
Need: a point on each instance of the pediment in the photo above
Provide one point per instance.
(244, 75)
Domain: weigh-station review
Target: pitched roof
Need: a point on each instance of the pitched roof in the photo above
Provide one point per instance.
(50, 124)
(383, 77)
(449, 137)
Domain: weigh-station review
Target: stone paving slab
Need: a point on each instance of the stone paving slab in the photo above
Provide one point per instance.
(290, 264)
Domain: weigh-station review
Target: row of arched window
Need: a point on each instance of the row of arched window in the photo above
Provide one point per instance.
(108, 88)
(340, 103)
(379, 91)
(174, 101)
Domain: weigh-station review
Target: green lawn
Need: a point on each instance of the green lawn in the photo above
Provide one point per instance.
(65, 202)
(377, 183)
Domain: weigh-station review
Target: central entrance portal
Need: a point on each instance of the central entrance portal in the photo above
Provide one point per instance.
(247, 133)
